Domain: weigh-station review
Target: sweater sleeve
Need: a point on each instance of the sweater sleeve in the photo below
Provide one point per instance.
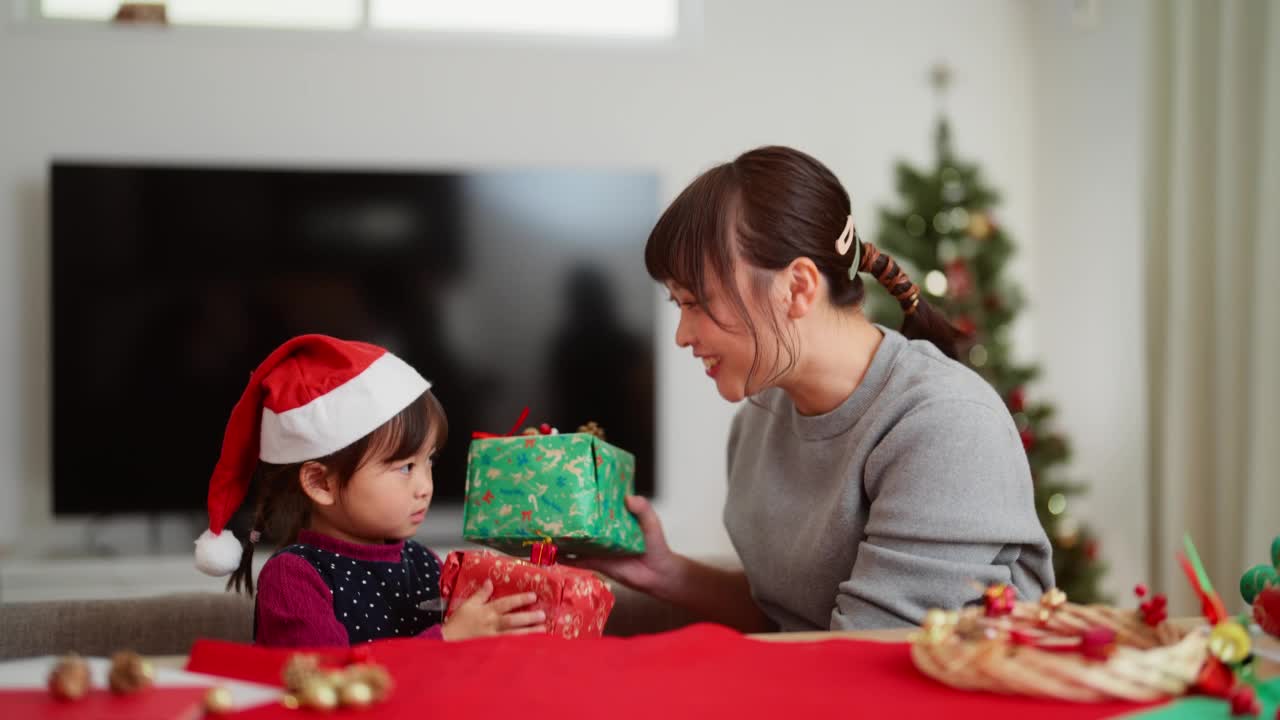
(951, 511)
(295, 606)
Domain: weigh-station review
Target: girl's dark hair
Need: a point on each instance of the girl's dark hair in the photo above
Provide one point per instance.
(283, 509)
(770, 206)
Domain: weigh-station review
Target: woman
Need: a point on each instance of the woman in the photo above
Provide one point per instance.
(871, 476)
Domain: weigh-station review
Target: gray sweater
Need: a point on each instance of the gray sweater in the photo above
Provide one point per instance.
(915, 493)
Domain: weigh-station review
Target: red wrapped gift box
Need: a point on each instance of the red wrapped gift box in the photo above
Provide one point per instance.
(577, 603)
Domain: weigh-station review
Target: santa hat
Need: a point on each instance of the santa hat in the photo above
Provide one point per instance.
(311, 397)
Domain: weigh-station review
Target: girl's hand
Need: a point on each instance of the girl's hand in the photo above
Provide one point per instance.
(650, 572)
(478, 616)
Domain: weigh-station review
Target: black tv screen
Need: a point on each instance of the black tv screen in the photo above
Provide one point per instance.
(171, 283)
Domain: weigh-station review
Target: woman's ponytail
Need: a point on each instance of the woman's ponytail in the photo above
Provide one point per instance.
(919, 320)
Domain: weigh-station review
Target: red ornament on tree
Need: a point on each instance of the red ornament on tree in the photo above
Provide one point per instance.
(1091, 550)
(1017, 399)
(965, 325)
(959, 279)
(1028, 439)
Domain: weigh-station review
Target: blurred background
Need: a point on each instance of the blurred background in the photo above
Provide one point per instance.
(184, 185)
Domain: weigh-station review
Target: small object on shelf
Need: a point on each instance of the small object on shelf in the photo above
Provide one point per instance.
(141, 13)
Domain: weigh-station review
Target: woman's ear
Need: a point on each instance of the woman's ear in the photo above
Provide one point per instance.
(318, 483)
(801, 281)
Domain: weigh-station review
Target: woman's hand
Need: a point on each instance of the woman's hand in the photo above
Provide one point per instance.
(650, 572)
(711, 593)
(479, 616)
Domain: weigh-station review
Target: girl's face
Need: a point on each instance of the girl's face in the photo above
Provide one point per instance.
(727, 349)
(388, 499)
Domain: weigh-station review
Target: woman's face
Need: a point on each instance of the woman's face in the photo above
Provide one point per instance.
(727, 349)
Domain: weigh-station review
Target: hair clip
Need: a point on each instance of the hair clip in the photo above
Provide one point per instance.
(849, 239)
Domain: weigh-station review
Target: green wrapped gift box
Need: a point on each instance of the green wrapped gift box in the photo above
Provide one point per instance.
(569, 488)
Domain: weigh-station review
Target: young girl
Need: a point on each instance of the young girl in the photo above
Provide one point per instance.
(871, 477)
(342, 435)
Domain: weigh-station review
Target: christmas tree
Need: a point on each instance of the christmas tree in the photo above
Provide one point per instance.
(945, 234)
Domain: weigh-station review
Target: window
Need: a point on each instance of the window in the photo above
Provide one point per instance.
(639, 19)
(303, 14)
(616, 18)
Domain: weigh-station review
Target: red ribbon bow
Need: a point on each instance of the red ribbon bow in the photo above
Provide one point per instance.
(480, 435)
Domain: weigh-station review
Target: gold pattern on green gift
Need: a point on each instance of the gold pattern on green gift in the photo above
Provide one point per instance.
(568, 487)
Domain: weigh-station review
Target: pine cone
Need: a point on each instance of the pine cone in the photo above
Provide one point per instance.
(592, 428)
(130, 673)
(298, 669)
(69, 679)
(375, 676)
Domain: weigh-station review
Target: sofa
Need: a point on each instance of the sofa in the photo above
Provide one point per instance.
(169, 624)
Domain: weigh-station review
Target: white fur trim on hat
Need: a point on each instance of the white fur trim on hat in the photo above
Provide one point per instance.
(343, 415)
(218, 555)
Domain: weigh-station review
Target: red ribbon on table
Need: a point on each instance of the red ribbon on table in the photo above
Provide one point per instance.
(480, 435)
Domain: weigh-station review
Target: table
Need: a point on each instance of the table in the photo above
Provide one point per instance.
(1266, 668)
(1268, 648)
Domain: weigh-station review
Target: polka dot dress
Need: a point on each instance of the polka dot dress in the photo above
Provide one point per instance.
(376, 599)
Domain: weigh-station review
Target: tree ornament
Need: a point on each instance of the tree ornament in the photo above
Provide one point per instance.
(1018, 399)
(980, 226)
(959, 279)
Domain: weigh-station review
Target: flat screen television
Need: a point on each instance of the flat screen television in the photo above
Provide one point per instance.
(170, 283)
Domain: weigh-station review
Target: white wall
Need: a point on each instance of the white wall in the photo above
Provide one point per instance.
(844, 81)
(1086, 284)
